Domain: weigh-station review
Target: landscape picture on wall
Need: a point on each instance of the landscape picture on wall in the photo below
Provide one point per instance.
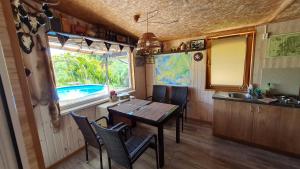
(173, 69)
(284, 45)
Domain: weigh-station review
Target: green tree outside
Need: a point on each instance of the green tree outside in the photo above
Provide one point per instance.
(78, 69)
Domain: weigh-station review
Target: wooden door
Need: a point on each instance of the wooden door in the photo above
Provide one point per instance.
(241, 121)
(266, 120)
(290, 130)
(221, 117)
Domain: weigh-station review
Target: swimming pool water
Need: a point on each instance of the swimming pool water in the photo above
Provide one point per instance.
(75, 92)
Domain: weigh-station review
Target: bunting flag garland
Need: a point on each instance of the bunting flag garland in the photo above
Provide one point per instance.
(107, 45)
(62, 39)
(88, 42)
(121, 47)
(131, 48)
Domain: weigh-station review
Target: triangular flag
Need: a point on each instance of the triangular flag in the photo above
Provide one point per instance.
(121, 47)
(108, 45)
(88, 42)
(62, 39)
(131, 48)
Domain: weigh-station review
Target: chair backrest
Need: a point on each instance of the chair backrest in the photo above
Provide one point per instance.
(179, 95)
(86, 130)
(114, 144)
(159, 93)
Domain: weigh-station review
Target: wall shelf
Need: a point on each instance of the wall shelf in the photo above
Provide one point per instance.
(181, 51)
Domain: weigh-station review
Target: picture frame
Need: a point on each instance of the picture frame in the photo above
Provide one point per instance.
(198, 44)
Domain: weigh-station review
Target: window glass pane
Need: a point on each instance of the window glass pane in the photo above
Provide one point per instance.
(119, 72)
(78, 74)
(228, 60)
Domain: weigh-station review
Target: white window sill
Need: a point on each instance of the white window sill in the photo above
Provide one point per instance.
(68, 106)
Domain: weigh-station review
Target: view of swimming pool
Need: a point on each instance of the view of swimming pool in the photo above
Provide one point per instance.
(75, 92)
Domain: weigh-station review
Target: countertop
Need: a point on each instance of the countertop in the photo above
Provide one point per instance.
(225, 96)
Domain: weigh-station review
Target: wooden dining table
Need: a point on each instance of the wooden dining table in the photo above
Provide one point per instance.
(151, 113)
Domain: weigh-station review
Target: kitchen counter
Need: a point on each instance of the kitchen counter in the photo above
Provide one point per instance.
(225, 96)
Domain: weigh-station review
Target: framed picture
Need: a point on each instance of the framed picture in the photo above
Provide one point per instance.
(198, 44)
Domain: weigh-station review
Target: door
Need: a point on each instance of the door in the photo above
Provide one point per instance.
(266, 125)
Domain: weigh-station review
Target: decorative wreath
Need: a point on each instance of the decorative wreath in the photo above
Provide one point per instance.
(26, 42)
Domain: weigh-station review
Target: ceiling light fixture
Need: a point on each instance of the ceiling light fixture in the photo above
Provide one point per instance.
(148, 42)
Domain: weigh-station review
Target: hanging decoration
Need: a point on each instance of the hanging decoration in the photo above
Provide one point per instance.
(62, 39)
(131, 48)
(28, 23)
(47, 11)
(121, 47)
(27, 72)
(107, 45)
(88, 42)
(26, 42)
(148, 42)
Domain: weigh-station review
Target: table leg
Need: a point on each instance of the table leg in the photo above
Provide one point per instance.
(161, 146)
(178, 127)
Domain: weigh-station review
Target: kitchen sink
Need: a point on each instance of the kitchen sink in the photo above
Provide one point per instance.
(238, 95)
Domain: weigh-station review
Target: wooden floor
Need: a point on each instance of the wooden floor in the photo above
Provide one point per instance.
(198, 150)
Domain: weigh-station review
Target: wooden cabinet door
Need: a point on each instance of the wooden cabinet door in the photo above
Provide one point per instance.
(266, 126)
(221, 117)
(290, 130)
(241, 121)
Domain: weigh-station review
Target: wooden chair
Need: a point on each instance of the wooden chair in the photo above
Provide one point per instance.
(159, 93)
(90, 137)
(125, 153)
(179, 97)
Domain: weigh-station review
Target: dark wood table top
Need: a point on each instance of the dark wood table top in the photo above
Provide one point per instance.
(152, 112)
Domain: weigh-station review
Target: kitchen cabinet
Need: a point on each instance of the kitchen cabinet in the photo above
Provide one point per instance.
(240, 123)
(266, 120)
(273, 127)
(233, 119)
(221, 117)
(289, 132)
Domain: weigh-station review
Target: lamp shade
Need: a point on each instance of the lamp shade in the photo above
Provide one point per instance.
(147, 42)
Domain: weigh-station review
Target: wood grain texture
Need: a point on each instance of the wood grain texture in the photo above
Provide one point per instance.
(195, 17)
(273, 127)
(200, 103)
(290, 130)
(266, 120)
(241, 121)
(221, 117)
(7, 155)
(32, 157)
(58, 144)
(261, 61)
(198, 150)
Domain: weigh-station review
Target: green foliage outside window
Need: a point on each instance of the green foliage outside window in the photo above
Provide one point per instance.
(78, 69)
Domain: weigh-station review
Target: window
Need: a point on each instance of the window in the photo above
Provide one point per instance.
(229, 62)
(86, 75)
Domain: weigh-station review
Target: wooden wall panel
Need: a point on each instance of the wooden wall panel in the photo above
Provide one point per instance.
(260, 61)
(58, 144)
(7, 155)
(28, 141)
(200, 105)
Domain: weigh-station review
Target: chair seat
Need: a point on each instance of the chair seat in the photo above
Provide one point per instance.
(137, 145)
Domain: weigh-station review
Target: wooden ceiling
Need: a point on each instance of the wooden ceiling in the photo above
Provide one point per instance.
(195, 17)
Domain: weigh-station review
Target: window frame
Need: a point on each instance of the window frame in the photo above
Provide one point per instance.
(69, 104)
(248, 64)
